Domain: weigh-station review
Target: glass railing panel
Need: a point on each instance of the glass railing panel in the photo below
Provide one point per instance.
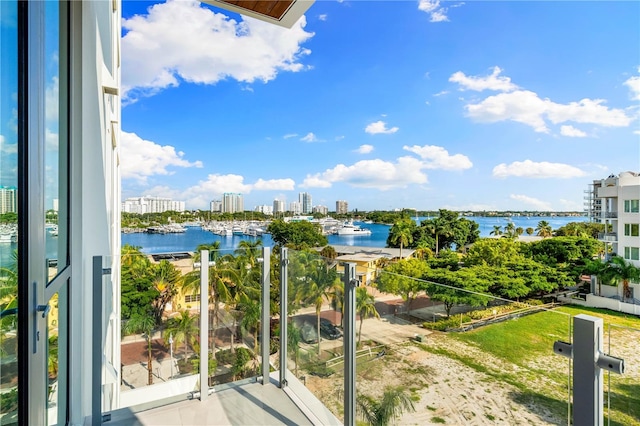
(315, 294)
(160, 328)
(450, 353)
(622, 391)
(235, 306)
(8, 215)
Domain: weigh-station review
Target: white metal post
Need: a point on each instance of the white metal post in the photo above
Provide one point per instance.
(266, 318)
(284, 300)
(350, 285)
(204, 325)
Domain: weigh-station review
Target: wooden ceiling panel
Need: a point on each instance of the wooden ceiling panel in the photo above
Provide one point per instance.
(273, 8)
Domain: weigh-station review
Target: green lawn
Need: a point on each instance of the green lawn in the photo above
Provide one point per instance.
(523, 348)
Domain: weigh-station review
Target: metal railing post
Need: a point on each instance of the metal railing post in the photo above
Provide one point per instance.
(204, 325)
(284, 300)
(589, 361)
(266, 318)
(350, 285)
(96, 343)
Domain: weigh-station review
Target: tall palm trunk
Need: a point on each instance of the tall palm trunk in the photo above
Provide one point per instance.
(149, 361)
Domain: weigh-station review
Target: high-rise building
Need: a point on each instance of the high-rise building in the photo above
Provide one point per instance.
(8, 199)
(304, 198)
(216, 206)
(232, 202)
(342, 207)
(321, 209)
(265, 209)
(149, 204)
(295, 207)
(619, 198)
(279, 206)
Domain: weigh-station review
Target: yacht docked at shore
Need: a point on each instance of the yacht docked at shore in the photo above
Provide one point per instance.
(348, 228)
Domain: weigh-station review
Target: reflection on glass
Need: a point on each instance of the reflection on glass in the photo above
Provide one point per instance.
(622, 392)
(8, 212)
(53, 361)
(55, 139)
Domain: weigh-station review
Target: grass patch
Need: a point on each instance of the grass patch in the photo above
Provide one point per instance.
(490, 417)
(438, 420)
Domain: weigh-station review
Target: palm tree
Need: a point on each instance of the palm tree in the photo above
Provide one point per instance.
(165, 278)
(213, 248)
(401, 233)
(624, 271)
(144, 324)
(601, 270)
(497, 230)
(510, 230)
(543, 229)
(222, 278)
(365, 307)
(183, 329)
(316, 289)
(328, 252)
(439, 228)
(529, 231)
(394, 402)
(293, 342)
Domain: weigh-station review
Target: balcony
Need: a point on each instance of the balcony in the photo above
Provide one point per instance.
(609, 215)
(610, 237)
(491, 357)
(607, 192)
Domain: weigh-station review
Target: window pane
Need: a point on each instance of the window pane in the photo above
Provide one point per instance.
(55, 141)
(8, 211)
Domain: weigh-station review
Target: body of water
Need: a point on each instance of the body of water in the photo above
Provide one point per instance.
(189, 240)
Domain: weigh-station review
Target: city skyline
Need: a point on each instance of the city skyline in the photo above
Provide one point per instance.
(426, 105)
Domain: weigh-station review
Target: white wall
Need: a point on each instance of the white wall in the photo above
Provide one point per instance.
(95, 189)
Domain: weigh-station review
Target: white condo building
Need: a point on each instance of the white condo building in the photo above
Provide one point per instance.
(321, 209)
(342, 207)
(306, 204)
(149, 204)
(265, 209)
(216, 206)
(295, 207)
(8, 199)
(279, 206)
(618, 201)
(232, 202)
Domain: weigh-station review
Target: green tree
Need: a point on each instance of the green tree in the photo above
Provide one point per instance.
(365, 307)
(381, 412)
(138, 292)
(625, 272)
(213, 248)
(317, 287)
(400, 278)
(297, 235)
(183, 329)
(497, 230)
(543, 229)
(401, 233)
(166, 279)
(452, 288)
(146, 325)
(529, 230)
(493, 252)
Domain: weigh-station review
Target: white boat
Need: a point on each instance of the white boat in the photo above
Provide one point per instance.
(348, 228)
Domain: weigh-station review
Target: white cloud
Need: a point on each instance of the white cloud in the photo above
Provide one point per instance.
(569, 205)
(436, 12)
(490, 82)
(323, 17)
(51, 101)
(441, 93)
(364, 149)
(50, 140)
(7, 148)
(541, 170)
(438, 158)
(528, 108)
(530, 201)
(183, 40)
(379, 127)
(378, 174)
(633, 83)
(290, 135)
(274, 185)
(572, 132)
(636, 132)
(310, 137)
(141, 158)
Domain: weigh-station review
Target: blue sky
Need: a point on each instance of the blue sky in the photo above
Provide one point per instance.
(467, 106)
